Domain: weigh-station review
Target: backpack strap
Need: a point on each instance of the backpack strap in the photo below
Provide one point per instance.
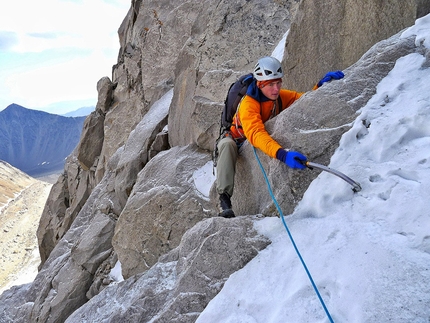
(279, 104)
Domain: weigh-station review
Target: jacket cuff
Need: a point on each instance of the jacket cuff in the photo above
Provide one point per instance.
(281, 155)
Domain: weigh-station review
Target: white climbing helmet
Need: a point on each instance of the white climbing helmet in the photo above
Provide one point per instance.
(268, 68)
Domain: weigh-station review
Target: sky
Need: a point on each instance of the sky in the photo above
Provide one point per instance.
(367, 252)
(53, 52)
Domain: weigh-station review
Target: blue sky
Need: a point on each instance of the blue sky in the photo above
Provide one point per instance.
(53, 52)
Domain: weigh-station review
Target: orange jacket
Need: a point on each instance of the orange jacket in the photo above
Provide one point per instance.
(248, 122)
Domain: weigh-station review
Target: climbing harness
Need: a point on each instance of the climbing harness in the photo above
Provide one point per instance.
(291, 237)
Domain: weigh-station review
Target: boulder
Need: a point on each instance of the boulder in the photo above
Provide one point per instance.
(91, 142)
(182, 283)
(104, 89)
(162, 206)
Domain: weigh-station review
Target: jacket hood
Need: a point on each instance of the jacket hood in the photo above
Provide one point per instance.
(255, 93)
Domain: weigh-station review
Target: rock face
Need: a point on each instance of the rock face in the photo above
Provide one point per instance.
(212, 58)
(335, 34)
(153, 222)
(128, 191)
(182, 283)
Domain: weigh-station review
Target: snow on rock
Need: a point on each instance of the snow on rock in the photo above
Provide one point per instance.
(368, 252)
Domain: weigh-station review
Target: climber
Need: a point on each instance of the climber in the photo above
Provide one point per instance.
(263, 100)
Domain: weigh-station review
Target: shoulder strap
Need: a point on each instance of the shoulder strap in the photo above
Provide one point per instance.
(280, 104)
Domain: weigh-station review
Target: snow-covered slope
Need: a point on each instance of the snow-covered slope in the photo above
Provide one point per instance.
(368, 252)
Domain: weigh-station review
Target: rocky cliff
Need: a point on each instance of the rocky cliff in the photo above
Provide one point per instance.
(128, 192)
(338, 33)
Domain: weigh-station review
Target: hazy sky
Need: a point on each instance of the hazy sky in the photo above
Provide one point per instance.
(53, 52)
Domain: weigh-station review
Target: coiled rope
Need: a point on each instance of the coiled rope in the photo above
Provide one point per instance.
(291, 237)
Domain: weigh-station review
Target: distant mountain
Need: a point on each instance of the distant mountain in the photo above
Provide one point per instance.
(37, 142)
(82, 112)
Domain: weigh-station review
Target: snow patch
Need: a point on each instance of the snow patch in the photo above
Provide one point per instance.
(203, 179)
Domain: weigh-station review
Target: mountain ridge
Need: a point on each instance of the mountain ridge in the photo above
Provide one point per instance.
(37, 142)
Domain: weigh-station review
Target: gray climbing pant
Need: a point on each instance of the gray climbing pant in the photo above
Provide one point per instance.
(226, 165)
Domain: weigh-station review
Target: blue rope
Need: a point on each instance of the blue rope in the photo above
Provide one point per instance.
(291, 237)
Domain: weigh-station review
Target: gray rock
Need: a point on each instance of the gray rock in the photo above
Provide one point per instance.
(104, 89)
(88, 255)
(119, 121)
(91, 142)
(67, 275)
(54, 211)
(67, 197)
(332, 35)
(182, 283)
(217, 51)
(161, 143)
(92, 137)
(163, 205)
(134, 154)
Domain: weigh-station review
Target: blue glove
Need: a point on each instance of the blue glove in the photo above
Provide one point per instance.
(336, 75)
(291, 158)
